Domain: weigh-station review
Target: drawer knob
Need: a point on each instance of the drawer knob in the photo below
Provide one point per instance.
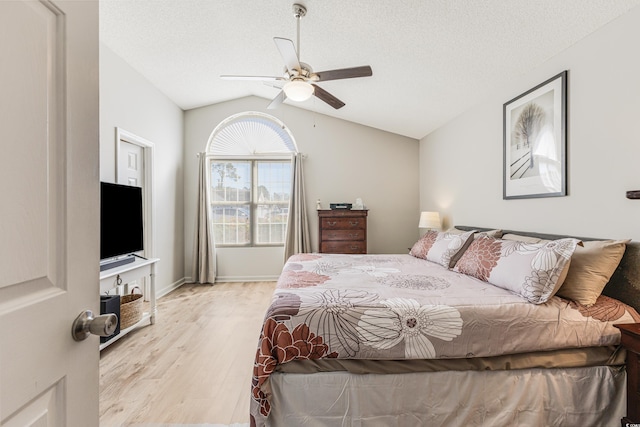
(331, 223)
(354, 223)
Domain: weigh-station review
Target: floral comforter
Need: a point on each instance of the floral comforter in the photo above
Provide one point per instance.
(389, 307)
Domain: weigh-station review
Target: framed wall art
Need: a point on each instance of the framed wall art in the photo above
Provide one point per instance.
(535, 141)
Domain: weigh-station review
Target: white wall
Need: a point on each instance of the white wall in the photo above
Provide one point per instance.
(344, 161)
(130, 102)
(461, 163)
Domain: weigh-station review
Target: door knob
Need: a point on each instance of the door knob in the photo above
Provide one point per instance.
(85, 324)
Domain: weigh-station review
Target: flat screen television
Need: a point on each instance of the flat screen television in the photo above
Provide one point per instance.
(121, 221)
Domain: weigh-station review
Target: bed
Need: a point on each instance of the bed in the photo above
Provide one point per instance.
(448, 335)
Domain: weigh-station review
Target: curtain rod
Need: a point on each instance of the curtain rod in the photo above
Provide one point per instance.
(304, 156)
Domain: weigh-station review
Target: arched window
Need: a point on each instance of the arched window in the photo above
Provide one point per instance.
(250, 180)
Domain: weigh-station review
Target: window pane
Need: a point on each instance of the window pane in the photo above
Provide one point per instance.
(231, 224)
(231, 181)
(273, 193)
(271, 233)
(274, 181)
(272, 223)
(230, 198)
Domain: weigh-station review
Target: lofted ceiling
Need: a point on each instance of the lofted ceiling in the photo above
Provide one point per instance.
(431, 59)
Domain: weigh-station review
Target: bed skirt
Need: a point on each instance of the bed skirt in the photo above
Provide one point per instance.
(589, 396)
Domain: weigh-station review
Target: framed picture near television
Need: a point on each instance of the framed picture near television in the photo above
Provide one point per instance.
(535, 141)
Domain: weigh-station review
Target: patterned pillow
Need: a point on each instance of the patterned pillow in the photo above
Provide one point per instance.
(532, 270)
(422, 246)
(447, 246)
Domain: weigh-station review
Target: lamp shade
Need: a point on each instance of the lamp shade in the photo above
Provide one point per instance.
(429, 220)
(298, 90)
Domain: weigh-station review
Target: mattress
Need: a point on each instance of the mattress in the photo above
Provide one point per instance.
(376, 315)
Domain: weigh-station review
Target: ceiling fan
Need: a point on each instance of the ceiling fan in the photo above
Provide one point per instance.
(299, 80)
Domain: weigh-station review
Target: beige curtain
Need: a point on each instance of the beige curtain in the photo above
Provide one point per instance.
(204, 249)
(298, 239)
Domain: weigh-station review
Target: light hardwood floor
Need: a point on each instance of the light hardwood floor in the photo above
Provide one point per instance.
(194, 365)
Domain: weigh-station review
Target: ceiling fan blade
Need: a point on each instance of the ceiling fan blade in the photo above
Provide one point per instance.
(277, 84)
(279, 99)
(327, 97)
(252, 78)
(288, 53)
(345, 73)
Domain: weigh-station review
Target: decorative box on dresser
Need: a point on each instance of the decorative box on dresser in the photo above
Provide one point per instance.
(343, 231)
(631, 342)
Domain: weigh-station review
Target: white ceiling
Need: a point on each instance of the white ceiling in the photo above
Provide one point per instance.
(431, 59)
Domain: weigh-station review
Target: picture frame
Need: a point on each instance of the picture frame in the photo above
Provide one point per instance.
(535, 141)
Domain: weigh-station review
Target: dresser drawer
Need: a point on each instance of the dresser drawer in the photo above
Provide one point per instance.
(343, 247)
(343, 235)
(342, 231)
(344, 223)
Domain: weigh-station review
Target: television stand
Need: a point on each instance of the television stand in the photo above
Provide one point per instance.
(107, 265)
(139, 267)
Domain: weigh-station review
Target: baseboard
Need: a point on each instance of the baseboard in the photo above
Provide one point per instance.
(240, 279)
(173, 286)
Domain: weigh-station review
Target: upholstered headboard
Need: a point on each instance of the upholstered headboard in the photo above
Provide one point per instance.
(625, 282)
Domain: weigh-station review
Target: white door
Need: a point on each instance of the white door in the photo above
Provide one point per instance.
(131, 172)
(135, 167)
(49, 211)
(130, 164)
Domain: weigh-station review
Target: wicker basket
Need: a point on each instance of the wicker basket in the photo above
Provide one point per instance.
(130, 309)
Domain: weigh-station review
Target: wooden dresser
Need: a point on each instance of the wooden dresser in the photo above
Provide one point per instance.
(343, 231)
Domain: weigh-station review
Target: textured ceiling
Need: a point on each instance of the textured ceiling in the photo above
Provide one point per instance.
(431, 59)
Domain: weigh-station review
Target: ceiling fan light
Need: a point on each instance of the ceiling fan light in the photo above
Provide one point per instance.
(298, 90)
